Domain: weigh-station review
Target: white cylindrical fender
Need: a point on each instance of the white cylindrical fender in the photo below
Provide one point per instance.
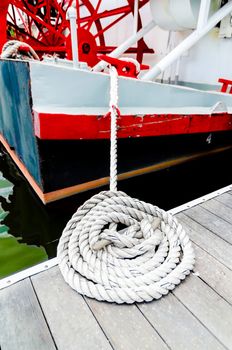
(178, 15)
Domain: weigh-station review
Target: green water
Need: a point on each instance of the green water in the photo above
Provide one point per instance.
(15, 255)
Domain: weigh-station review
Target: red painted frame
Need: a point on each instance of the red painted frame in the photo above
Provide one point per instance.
(3, 24)
(64, 127)
(53, 39)
(225, 85)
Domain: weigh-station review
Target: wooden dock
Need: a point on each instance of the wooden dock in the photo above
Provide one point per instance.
(41, 312)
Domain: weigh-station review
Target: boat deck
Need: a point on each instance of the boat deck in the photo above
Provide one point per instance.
(42, 312)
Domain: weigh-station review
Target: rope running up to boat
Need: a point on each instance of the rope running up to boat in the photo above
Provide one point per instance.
(144, 260)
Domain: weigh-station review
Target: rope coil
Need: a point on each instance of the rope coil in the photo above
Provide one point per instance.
(144, 260)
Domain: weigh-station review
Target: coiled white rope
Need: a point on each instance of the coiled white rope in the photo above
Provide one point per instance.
(144, 260)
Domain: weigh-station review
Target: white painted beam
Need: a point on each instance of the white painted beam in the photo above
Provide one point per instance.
(203, 13)
(72, 17)
(126, 45)
(189, 42)
(136, 16)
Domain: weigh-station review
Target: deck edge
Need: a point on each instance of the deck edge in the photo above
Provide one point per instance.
(200, 200)
(31, 271)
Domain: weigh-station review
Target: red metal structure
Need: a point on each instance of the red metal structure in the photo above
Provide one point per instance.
(124, 68)
(226, 85)
(43, 25)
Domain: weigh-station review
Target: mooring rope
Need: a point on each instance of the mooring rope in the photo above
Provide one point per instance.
(11, 49)
(113, 128)
(120, 249)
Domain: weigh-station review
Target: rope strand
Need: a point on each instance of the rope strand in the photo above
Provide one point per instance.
(113, 137)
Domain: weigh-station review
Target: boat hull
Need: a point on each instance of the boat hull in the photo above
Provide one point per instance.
(68, 167)
(62, 144)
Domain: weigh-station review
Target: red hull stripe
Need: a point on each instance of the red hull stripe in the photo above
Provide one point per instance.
(64, 127)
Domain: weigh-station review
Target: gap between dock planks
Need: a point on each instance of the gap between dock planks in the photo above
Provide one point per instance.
(212, 222)
(225, 199)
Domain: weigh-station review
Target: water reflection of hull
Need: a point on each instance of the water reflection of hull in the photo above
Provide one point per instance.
(63, 154)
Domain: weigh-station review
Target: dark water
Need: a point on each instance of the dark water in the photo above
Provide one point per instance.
(29, 230)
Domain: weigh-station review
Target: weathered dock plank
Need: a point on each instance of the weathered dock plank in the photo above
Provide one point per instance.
(211, 222)
(177, 325)
(215, 274)
(208, 307)
(126, 326)
(207, 240)
(226, 199)
(218, 209)
(22, 324)
(71, 322)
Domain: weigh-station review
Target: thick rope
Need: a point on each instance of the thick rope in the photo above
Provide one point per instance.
(113, 137)
(144, 260)
(11, 49)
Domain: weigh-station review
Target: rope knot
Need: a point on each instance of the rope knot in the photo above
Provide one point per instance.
(146, 231)
(116, 110)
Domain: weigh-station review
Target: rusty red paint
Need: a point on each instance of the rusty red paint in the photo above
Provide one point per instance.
(61, 126)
